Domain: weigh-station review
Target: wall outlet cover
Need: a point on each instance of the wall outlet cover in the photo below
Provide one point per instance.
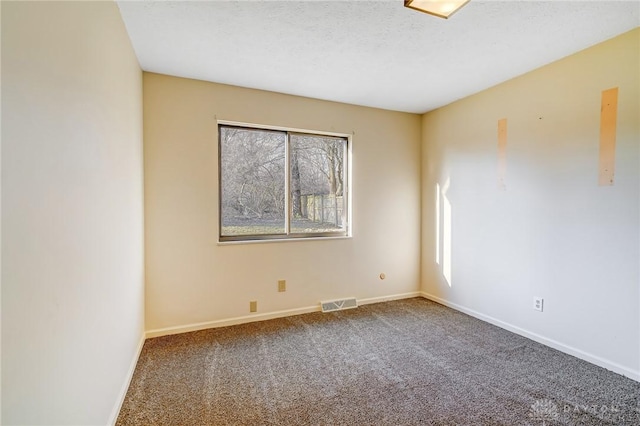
(538, 303)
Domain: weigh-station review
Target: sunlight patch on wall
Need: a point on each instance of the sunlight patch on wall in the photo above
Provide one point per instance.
(443, 230)
(438, 223)
(446, 237)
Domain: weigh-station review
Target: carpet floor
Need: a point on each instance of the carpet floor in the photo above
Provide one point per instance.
(406, 362)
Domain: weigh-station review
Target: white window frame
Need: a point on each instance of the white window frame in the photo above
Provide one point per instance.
(288, 236)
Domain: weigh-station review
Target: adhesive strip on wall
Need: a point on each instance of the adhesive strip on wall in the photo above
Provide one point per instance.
(608, 114)
(502, 153)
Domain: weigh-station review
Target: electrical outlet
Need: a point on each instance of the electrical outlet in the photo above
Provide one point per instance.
(253, 306)
(282, 285)
(538, 303)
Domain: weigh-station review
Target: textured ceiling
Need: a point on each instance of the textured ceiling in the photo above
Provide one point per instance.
(371, 53)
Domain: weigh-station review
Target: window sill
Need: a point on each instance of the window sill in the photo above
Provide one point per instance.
(283, 240)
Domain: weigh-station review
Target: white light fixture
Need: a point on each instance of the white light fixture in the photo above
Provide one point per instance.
(440, 8)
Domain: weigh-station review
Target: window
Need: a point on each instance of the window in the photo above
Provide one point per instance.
(278, 184)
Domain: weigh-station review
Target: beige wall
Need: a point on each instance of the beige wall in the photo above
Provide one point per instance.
(191, 279)
(553, 232)
(72, 219)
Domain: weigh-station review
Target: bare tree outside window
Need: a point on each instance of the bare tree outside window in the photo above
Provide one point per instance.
(317, 181)
(253, 189)
(280, 184)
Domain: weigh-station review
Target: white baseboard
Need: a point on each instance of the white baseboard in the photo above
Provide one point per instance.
(266, 316)
(601, 362)
(125, 386)
(229, 321)
(379, 299)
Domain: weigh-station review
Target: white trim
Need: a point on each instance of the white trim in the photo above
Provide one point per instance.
(266, 316)
(593, 359)
(281, 240)
(379, 299)
(125, 386)
(230, 321)
(280, 128)
(287, 236)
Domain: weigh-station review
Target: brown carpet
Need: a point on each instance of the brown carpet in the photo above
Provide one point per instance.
(407, 362)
